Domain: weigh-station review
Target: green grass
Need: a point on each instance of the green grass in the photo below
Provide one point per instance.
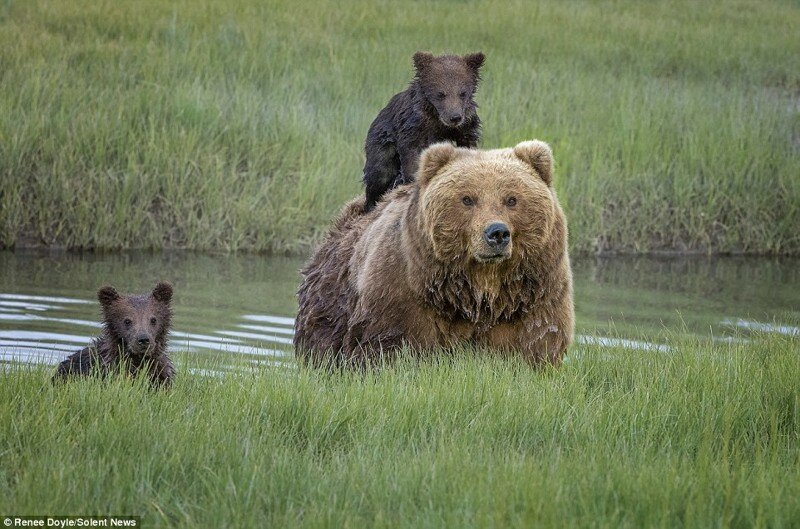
(239, 126)
(706, 436)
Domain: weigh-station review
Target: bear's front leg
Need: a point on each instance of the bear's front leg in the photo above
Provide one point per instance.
(538, 341)
(409, 165)
(471, 134)
(85, 362)
(381, 171)
(161, 372)
(380, 327)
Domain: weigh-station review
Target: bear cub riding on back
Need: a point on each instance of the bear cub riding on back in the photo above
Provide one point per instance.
(437, 106)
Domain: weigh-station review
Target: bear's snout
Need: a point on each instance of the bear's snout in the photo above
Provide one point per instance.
(143, 340)
(497, 236)
(455, 120)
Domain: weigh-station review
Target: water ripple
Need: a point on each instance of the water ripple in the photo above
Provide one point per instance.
(762, 327)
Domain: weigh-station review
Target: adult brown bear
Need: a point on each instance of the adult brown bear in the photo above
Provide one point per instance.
(473, 252)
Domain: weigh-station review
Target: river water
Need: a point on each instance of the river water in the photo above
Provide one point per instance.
(241, 306)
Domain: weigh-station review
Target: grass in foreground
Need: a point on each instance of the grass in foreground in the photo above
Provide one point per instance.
(210, 124)
(704, 437)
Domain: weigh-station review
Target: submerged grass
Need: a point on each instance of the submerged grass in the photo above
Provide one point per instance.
(212, 125)
(706, 436)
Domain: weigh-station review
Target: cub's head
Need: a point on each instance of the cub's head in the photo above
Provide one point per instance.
(489, 207)
(449, 83)
(139, 323)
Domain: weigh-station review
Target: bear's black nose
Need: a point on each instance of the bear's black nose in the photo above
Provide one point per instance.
(455, 119)
(143, 340)
(497, 235)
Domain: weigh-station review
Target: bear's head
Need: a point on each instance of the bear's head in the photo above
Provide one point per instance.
(448, 83)
(489, 208)
(139, 324)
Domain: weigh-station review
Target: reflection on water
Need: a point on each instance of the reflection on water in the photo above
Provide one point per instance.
(763, 327)
(243, 305)
(605, 341)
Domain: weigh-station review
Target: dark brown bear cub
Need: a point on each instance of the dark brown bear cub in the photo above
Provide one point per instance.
(437, 106)
(134, 339)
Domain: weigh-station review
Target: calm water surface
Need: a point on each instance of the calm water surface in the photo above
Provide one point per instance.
(242, 306)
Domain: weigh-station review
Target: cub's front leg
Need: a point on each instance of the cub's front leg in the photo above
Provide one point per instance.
(409, 162)
(381, 171)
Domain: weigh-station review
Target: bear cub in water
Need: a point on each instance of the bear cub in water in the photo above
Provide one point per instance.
(437, 106)
(134, 339)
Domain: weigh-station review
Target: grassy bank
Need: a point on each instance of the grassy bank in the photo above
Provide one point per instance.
(213, 125)
(706, 436)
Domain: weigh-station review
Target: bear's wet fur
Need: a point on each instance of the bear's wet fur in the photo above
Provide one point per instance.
(134, 339)
(473, 253)
(437, 106)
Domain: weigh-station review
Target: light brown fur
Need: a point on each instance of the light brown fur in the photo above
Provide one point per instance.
(415, 270)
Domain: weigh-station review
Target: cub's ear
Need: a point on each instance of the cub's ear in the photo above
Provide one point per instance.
(163, 292)
(433, 159)
(422, 59)
(475, 60)
(538, 155)
(107, 295)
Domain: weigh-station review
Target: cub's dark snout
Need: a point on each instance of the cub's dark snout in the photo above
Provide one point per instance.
(456, 119)
(497, 235)
(143, 340)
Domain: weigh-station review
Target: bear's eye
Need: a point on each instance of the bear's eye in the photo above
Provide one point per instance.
(152, 321)
(463, 94)
(511, 202)
(441, 95)
(127, 322)
(468, 201)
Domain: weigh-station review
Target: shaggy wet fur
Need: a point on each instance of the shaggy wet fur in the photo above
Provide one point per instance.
(418, 269)
(134, 338)
(437, 106)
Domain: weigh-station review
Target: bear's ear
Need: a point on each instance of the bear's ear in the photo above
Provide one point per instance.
(433, 159)
(475, 61)
(107, 295)
(422, 59)
(538, 155)
(163, 292)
